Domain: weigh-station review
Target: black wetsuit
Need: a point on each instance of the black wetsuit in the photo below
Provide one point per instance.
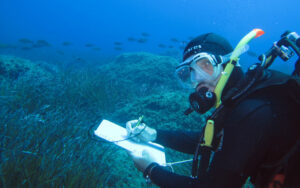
(259, 130)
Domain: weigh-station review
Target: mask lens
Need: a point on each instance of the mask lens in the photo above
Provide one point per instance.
(204, 65)
(184, 75)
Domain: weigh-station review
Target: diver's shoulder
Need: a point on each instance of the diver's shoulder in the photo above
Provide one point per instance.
(272, 82)
(254, 106)
(274, 77)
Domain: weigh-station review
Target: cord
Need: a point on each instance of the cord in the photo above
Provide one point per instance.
(177, 162)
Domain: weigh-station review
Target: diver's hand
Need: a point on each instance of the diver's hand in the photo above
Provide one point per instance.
(141, 160)
(142, 131)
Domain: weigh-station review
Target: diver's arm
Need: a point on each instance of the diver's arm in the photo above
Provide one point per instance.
(182, 141)
(164, 178)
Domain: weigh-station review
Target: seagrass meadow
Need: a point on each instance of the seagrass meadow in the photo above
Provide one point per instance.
(48, 111)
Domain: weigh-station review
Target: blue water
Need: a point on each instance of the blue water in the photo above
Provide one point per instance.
(103, 23)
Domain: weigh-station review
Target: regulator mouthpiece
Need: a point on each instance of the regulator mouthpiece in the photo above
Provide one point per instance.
(203, 100)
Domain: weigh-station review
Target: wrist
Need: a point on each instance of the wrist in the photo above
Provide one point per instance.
(147, 172)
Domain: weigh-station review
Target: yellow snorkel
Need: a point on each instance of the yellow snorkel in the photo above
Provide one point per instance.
(209, 128)
(233, 59)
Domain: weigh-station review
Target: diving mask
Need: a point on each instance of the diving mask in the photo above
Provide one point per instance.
(199, 68)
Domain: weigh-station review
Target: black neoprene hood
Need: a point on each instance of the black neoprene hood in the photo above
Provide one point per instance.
(210, 43)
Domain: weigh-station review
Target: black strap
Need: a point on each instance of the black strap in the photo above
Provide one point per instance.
(204, 162)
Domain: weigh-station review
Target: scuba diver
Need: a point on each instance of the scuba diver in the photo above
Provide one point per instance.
(253, 132)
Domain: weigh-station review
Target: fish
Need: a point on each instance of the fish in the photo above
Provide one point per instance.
(78, 59)
(26, 48)
(144, 34)
(41, 43)
(117, 43)
(89, 45)
(66, 43)
(170, 46)
(60, 52)
(174, 40)
(183, 42)
(191, 38)
(118, 48)
(161, 45)
(142, 40)
(131, 39)
(97, 49)
(25, 41)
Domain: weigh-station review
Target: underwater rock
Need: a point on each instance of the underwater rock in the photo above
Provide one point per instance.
(163, 111)
(141, 73)
(12, 68)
